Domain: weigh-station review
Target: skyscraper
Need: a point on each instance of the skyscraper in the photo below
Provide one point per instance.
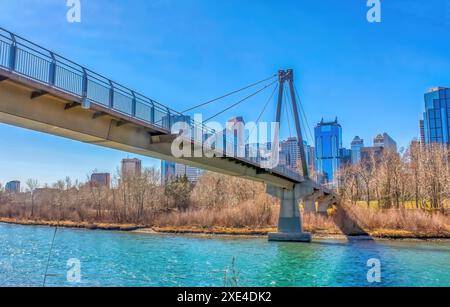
(191, 173)
(13, 186)
(235, 136)
(385, 141)
(290, 154)
(172, 170)
(346, 156)
(169, 120)
(101, 180)
(168, 171)
(290, 151)
(422, 131)
(437, 116)
(311, 158)
(131, 168)
(328, 136)
(357, 146)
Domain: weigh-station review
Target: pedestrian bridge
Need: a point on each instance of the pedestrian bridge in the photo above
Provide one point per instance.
(43, 91)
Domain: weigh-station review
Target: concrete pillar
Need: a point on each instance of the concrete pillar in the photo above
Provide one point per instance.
(309, 202)
(290, 228)
(324, 204)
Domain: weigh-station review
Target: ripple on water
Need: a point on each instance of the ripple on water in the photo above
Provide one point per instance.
(126, 259)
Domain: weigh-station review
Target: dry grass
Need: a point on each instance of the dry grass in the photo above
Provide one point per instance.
(402, 219)
(71, 224)
(317, 223)
(260, 219)
(245, 215)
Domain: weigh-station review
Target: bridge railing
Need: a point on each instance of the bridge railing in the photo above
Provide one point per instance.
(29, 60)
(32, 61)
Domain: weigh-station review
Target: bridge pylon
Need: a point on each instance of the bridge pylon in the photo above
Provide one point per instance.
(290, 227)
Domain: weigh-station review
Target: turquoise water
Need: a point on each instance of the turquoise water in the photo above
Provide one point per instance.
(128, 259)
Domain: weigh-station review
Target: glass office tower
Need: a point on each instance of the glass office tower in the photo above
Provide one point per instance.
(437, 116)
(328, 136)
(357, 146)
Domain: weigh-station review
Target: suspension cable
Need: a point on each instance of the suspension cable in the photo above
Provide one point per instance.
(299, 103)
(262, 112)
(229, 94)
(241, 101)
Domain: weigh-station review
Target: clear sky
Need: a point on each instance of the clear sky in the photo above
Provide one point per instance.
(182, 52)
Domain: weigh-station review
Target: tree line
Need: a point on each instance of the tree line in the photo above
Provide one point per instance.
(418, 177)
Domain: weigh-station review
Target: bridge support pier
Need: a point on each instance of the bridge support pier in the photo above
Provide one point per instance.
(309, 202)
(290, 227)
(325, 203)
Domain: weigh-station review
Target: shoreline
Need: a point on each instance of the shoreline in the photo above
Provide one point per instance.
(379, 234)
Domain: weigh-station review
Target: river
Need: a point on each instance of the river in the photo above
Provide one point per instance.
(132, 259)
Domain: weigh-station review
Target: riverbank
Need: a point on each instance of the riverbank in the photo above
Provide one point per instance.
(393, 234)
(71, 224)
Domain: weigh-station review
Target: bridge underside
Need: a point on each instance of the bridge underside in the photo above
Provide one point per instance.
(37, 107)
(24, 105)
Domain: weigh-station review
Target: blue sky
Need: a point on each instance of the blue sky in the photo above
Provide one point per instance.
(183, 52)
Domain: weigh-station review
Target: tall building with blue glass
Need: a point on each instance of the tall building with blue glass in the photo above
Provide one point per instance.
(437, 116)
(357, 146)
(328, 136)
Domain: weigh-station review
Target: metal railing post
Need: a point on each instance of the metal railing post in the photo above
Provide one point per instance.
(111, 95)
(52, 71)
(169, 119)
(133, 105)
(152, 113)
(85, 104)
(13, 53)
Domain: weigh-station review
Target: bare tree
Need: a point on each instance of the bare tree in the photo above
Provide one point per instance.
(32, 185)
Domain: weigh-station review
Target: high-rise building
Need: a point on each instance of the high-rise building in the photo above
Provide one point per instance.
(101, 180)
(357, 146)
(437, 116)
(192, 173)
(168, 171)
(422, 131)
(369, 153)
(328, 136)
(172, 170)
(131, 168)
(290, 154)
(169, 120)
(346, 156)
(311, 158)
(385, 141)
(235, 136)
(13, 186)
(290, 151)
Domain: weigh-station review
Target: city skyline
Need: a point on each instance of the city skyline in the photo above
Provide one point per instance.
(384, 67)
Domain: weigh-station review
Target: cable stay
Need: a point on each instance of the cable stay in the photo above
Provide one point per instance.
(229, 94)
(303, 113)
(240, 101)
(262, 112)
